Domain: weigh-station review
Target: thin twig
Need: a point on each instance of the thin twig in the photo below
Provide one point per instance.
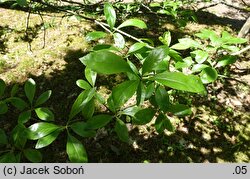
(44, 29)
(27, 28)
(230, 78)
(241, 51)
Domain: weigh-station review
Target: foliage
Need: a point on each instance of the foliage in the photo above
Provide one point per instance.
(153, 75)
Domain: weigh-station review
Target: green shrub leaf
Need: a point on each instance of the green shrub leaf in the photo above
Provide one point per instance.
(105, 62)
(24, 117)
(123, 92)
(8, 158)
(133, 22)
(154, 58)
(179, 110)
(119, 40)
(81, 101)
(143, 116)
(33, 155)
(44, 114)
(162, 98)
(208, 75)
(30, 89)
(89, 109)
(110, 15)
(83, 84)
(2, 87)
(186, 43)
(179, 81)
(200, 56)
(226, 60)
(166, 38)
(43, 97)
(140, 94)
(159, 123)
(90, 75)
(98, 121)
(3, 137)
(18, 103)
(14, 90)
(40, 130)
(47, 140)
(135, 47)
(19, 136)
(3, 107)
(121, 130)
(76, 150)
(22, 2)
(95, 35)
(81, 128)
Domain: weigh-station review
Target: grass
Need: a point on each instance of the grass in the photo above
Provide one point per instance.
(213, 133)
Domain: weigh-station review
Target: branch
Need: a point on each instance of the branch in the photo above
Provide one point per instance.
(241, 51)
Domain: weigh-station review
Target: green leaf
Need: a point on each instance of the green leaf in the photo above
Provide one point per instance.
(44, 114)
(150, 90)
(2, 87)
(89, 109)
(22, 2)
(168, 125)
(18, 103)
(19, 136)
(159, 123)
(76, 150)
(47, 140)
(226, 60)
(123, 92)
(155, 4)
(81, 128)
(133, 22)
(143, 116)
(175, 55)
(24, 117)
(95, 35)
(105, 47)
(186, 43)
(154, 58)
(8, 158)
(33, 155)
(110, 15)
(130, 111)
(208, 75)
(14, 90)
(119, 40)
(30, 89)
(166, 39)
(133, 68)
(121, 130)
(206, 34)
(98, 121)
(229, 39)
(43, 97)
(90, 75)
(200, 55)
(179, 81)
(83, 84)
(3, 137)
(40, 130)
(162, 98)
(179, 110)
(81, 101)
(135, 47)
(199, 67)
(3, 107)
(140, 94)
(105, 62)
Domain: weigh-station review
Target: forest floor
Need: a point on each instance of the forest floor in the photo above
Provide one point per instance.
(217, 131)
